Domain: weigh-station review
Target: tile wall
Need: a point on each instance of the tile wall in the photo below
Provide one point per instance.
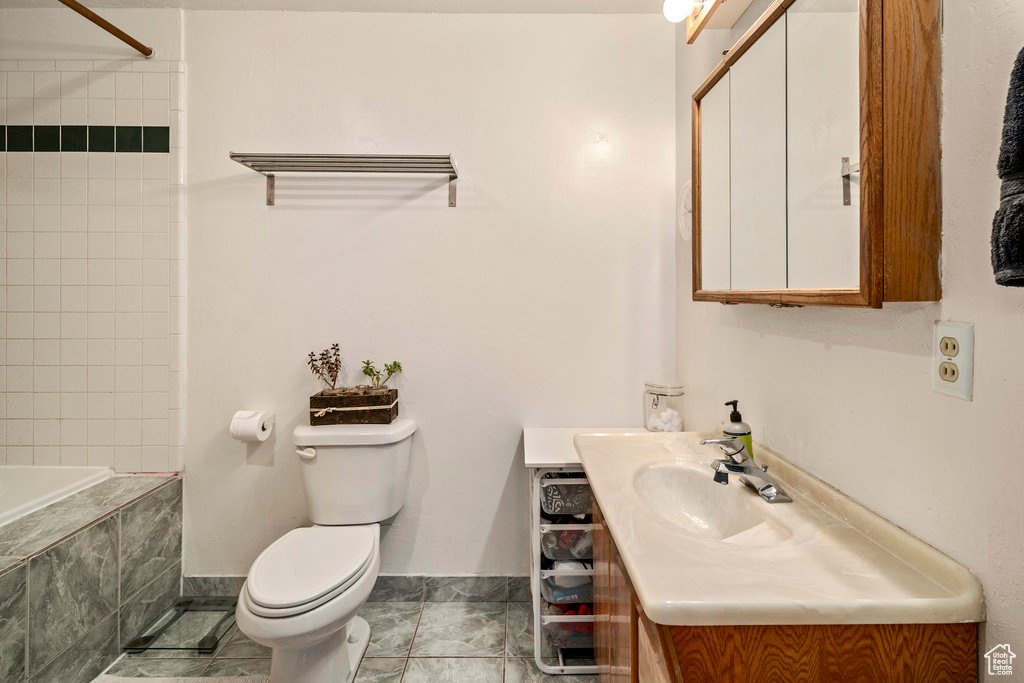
(92, 289)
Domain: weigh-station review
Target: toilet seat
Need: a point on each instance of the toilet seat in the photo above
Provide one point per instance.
(307, 567)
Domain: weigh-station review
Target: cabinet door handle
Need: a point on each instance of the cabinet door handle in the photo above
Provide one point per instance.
(845, 171)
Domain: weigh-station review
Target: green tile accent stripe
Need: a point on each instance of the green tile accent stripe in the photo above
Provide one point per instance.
(128, 139)
(74, 139)
(47, 138)
(101, 138)
(151, 139)
(19, 138)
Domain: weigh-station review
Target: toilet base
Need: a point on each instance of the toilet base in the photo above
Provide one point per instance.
(333, 660)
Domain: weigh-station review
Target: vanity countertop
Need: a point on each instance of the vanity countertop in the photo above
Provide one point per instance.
(822, 559)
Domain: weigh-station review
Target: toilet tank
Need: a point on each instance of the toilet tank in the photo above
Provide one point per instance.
(354, 474)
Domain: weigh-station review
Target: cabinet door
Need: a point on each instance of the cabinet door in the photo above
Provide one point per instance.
(623, 625)
(824, 126)
(656, 658)
(615, 620)
(758, 161)
(714, 187)
(602, 597)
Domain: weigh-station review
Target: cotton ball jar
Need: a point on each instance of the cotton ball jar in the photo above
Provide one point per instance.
(663, 407)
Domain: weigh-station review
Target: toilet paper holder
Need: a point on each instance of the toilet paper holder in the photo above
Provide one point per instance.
(252, 425)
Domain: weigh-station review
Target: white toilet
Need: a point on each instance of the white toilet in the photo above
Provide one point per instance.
(303, 592)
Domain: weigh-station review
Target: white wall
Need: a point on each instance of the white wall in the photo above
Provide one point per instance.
(847, 394)
(59, 33)
(546, 298)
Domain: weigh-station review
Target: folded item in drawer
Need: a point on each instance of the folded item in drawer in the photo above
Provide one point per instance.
(557, 637)
(567, 544)
(566, 499)
(569, 634)
(564, 595)
(584, 610)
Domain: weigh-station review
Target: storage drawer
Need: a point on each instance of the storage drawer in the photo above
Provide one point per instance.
(558, 634)
(566, 595)
(565, 495)
(567, 631)
(567, 541)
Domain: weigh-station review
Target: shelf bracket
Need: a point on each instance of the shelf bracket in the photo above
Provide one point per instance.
(452, 180)
(270, 189)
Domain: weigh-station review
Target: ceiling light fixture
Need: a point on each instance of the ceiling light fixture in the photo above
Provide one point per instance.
(678, 10)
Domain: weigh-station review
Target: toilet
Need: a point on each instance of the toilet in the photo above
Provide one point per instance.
(303, 592)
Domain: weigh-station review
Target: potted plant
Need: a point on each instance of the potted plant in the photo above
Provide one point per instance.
(372, 403)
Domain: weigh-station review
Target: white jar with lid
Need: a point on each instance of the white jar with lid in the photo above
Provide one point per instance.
(663, 407)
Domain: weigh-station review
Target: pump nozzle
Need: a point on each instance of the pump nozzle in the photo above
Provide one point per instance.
(734, 416)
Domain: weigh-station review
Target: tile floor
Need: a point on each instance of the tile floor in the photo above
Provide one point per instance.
(433, 630)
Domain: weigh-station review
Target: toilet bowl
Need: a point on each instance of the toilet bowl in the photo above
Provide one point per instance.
(301, 599)
(303, 592)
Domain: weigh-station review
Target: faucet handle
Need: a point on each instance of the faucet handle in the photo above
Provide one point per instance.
(731, 446)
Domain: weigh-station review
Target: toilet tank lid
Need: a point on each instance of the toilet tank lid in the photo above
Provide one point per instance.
(353, 435)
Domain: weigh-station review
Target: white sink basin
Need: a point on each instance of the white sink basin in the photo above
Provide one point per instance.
(686, 494)
(702, 553)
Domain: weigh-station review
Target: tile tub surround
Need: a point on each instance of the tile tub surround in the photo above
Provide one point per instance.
(80, 573)
(413, 638)
(91, 223)
(13, 622)
(85, 574)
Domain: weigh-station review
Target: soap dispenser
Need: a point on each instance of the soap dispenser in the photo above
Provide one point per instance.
(738, 428)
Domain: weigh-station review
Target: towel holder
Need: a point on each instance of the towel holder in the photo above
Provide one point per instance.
(272, 164)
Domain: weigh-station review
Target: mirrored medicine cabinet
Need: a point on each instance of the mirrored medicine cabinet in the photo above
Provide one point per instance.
(816, 159)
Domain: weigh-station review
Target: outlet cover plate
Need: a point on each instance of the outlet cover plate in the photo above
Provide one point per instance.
(963, 333)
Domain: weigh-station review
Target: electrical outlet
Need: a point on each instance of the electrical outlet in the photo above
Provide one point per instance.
(949, 372)
(953, 359)
(949, 346)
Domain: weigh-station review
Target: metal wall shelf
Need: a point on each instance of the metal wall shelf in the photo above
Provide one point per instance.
(272, 164)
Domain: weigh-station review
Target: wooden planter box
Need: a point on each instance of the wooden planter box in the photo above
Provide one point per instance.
(353, 406)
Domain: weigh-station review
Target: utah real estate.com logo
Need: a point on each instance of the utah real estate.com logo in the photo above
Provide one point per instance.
(1000, 660)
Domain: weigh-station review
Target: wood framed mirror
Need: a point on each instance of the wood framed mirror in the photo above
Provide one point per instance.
(816, 160)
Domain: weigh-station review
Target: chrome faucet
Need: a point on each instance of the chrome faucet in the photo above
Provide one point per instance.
(738, 462)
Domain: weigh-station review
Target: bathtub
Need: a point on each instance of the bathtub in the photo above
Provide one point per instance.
(26, 489)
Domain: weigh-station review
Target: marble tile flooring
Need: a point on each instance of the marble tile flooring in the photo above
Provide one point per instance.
(433, 630)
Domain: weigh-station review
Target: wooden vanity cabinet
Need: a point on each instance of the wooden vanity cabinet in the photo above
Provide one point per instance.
(630, 648)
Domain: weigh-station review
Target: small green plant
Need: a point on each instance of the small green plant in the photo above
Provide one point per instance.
(326, 365)
(376, 375)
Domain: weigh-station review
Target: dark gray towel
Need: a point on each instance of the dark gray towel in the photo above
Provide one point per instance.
(1008, 225)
